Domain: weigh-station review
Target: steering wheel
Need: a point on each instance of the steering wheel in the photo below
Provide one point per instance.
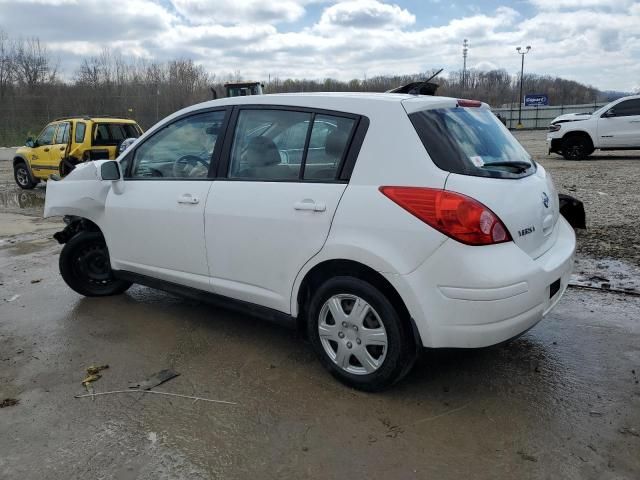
(187, 160)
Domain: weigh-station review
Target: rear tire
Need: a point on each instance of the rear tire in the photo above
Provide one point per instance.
(85, 266)
(358, 335)
(23, 177)
(576, 148)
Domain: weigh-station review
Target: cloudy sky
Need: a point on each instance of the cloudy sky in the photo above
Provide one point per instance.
(591, 41)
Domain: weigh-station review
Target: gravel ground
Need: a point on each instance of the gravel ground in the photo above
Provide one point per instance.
(607, 183)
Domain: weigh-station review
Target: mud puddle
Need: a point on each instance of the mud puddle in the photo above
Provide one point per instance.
(27, 202)
(607, 274)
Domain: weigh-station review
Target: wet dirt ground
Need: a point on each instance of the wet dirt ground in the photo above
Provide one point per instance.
(562, 401)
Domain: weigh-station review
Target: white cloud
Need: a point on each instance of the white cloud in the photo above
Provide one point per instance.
(240, 11)
(367, 14)
(582, 4)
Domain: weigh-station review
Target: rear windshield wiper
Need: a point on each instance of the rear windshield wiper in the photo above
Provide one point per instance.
(519, 165)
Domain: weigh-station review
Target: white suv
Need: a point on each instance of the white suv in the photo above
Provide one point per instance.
(379, 223)
(615, 126)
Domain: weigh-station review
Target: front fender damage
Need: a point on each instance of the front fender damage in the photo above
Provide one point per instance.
(81, 194)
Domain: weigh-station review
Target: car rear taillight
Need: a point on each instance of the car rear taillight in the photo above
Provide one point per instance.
(469, 103)
(457, 216)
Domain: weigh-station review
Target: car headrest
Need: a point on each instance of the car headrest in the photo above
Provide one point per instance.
(335, 143)
(261, 152)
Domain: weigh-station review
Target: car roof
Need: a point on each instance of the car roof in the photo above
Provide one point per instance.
(359, 103)
(95, 119)
(315, 99)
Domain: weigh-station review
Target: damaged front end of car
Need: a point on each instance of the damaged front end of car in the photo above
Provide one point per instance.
(80, 197)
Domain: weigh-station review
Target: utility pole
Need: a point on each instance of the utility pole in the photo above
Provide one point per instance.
(522, 54)
(465, 49)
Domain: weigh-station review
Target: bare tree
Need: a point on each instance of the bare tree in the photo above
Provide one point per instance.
(32, 64)
(7, 63)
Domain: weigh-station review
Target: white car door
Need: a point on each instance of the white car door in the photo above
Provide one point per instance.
(267, 215)
(155, 221)
(619, 127)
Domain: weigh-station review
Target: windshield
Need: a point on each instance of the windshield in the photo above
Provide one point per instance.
(471, 141)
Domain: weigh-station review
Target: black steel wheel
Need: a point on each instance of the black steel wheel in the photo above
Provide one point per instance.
(85, 266)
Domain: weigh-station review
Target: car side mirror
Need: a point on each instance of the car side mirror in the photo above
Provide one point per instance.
(609, 113)
(110, 171)
(30, 143)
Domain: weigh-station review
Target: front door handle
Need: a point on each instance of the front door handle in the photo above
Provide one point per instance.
(309, 204)
(46, 149)
(62, 149)
(188, 199)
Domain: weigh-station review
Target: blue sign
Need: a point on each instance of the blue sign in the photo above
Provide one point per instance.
(536, 100)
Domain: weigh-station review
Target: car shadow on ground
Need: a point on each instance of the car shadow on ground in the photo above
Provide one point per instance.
(149, 315)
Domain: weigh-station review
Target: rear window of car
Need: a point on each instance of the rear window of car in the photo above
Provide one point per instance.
(471, 141)
(113, 133)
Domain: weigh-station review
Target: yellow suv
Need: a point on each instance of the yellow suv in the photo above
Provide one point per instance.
(65, 142)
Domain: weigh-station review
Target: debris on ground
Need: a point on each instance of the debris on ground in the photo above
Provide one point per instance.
(15, 297)
(156, 392)
(93, 370)
(526, 456)
(93, 374)
(155, 380)
(629, 431)
(90, 379)
(36, 280)
(9, 402)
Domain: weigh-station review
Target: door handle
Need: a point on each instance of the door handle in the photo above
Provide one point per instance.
(62, 149)
(308, 204)
(188, 199)
(46, 149)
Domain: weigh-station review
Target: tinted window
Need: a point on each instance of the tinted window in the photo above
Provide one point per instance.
(113, 133)
(627, 108)
(62, 134)
(268, 144)
(183, 149)
(80, 129)
(46, 137)
(471, 141)
(327, 146)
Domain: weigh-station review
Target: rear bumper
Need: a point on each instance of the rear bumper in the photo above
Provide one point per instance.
(471, 297)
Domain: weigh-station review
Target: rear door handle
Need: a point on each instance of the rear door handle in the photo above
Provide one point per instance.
(46, 149)
(62, 149)
(188, 199)
(308, 204)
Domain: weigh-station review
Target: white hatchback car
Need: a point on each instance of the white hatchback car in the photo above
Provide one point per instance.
(379, 223)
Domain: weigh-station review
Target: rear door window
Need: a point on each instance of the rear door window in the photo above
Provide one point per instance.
(327, 146)
(471, 141)
(269, 144)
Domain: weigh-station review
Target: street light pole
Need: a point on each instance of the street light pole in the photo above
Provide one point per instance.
(522, 54)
